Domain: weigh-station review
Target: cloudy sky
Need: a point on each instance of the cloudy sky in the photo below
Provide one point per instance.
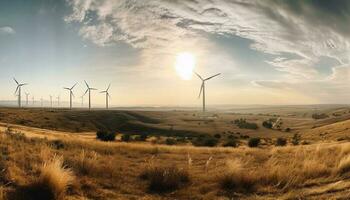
(269, 52)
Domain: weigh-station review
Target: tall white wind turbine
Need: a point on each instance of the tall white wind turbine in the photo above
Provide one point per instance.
(202, 90)
(18, 89)
(89, 90)
(70, 95)
(107, 95)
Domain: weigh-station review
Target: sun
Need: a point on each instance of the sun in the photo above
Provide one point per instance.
(184, 65)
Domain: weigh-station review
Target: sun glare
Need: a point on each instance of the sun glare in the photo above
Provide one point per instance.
(185, 63)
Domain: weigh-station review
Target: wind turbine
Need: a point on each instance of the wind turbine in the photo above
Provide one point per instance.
(27, 95)
(89, 90)
(82, 100)
(70, 95)
(203, 87)
(33, 100)
(51, 101)
(58, 100)
(107, 95)
(19, 88)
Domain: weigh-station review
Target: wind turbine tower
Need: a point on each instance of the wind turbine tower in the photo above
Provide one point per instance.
(33, 101)
(58, 100)
(70, 95)
(202, 90)
(89, 90)
(107, 95)
(27, 95)
(18, 89)
(51, 101)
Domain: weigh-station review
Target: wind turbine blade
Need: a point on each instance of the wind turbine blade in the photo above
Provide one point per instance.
(86, 91)
(23, 84)
(198, 76)
(87, 85)
(200, 92)
(17, 89)
(66, 88)
(72, 94)
(93, 89)
(212, 76)
(73, 86)
(103, 92)
(15, 80)
(108, 87)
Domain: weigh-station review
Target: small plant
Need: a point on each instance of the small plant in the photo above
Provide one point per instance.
(281, 142)
(242, 123)
(105, 135)
(296, 139)
(288, 129)
(170, 141)
(126, 138)
(230, 143)
(164, 178)
(208, 141)
(52, 183)
(254, 142)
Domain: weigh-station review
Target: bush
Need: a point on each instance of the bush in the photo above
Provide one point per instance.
(142, 137)
(218, 136)
(170, 141)
(126, 138)
(288, 130)
(254, 142)
(296, 139)
(205, 141)
(52, 183)
(231, 143)
(105, 135)
(267, 124)
(319, 116)
(242, 123)
(164, 178)
(281, 142)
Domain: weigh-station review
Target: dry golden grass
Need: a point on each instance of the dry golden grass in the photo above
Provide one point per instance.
(112, 170)
(53, 181)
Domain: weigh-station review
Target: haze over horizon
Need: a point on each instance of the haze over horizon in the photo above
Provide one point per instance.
(269, 52)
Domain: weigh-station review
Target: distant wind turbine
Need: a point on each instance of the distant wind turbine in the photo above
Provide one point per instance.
(27, 95)
(82, 100)
(18, 89)
(202, 90)
(89, 90)
(58, 100)
(33, 100)
(70, 95)
(51, 101)
(107, 95)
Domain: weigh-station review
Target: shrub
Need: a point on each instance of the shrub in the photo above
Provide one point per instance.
(296, 139)
(242, 123)
(164, 178)
(52, 182)
(205, 141)
(142, 137)
(231, 143)
(288, 129)
(319, 116)
(57, 144)
(170, 141)
(281, 142)
(236, 179)
(105, 135)
(254, 142)
(267, 124)
(126, 138)
(218, 136)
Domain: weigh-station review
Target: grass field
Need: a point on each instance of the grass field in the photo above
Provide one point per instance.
(43, 154)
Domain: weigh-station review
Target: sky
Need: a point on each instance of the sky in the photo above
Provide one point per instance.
(268, 52)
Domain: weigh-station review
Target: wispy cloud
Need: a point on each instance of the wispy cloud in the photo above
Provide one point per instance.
(307, 30)
(6, 30)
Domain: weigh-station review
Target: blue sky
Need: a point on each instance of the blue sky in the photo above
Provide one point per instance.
(269, 52)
